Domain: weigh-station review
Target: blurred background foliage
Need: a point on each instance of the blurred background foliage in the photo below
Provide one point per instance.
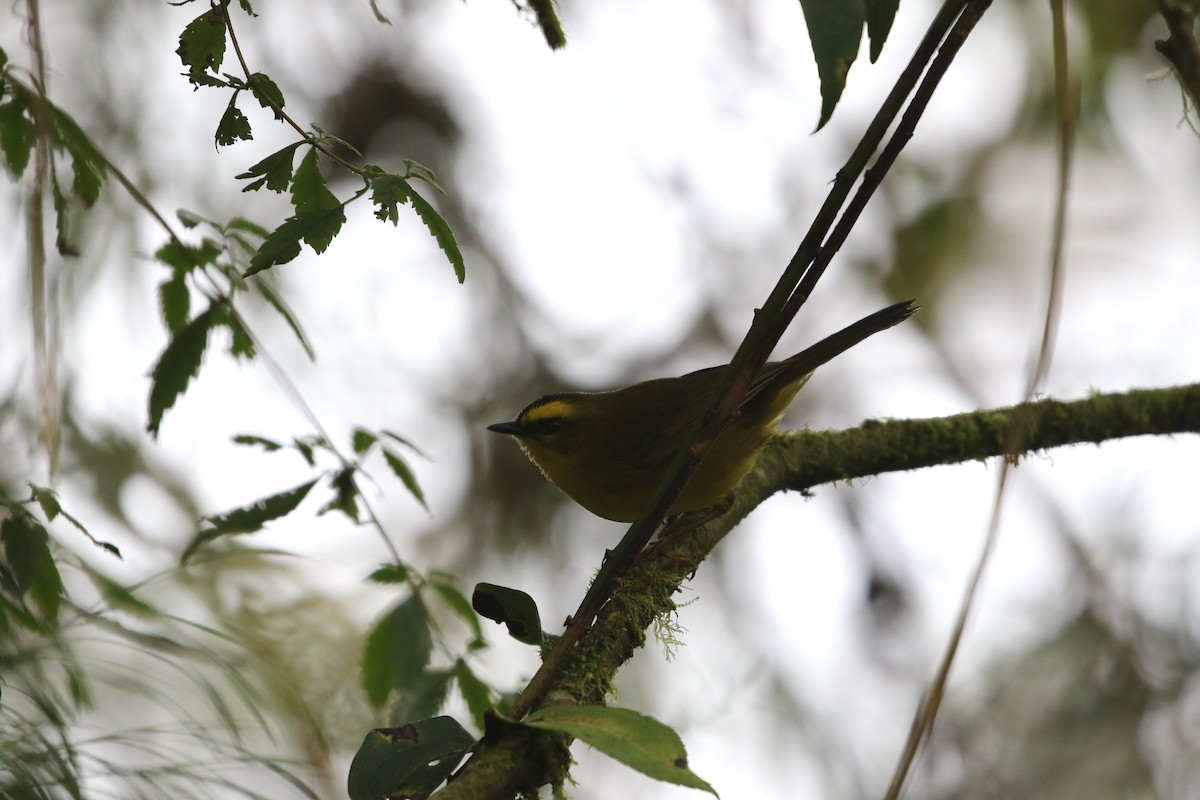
(623, 206)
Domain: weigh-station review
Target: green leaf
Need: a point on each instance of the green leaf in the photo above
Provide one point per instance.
(362, 440)
(425, 697)
(266, 92)
(309, 191)
(241, 344)
(880, 15)
(249, 519)
(407, 443)
(274, 171)
(270, 445)
(252, 517)
(458, 603)
(397, 651)
(316, 228)
(835, 30)
(87, 163)
(475, 692)
(410, 761)
(185, 258)
(389, 574)
(423, 173)
(638, 741)
(63, 241)
(402, 471)
(513, 608)
(285, 311)
(389, 191)
(176, 367)
(119, 597)
(233, 126)
(16, 136)
(202, 44)
(27, 553)
(175, 302)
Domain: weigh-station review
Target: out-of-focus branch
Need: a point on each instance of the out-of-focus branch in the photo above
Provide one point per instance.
(1181, 48)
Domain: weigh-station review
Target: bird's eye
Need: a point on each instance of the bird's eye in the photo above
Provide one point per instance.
(548, 426)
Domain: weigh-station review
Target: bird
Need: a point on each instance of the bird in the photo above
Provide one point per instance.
(608, 450)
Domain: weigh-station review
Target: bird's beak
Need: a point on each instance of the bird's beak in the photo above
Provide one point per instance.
(508, 428)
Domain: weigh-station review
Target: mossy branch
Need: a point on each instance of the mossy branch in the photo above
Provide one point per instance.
(801, 460)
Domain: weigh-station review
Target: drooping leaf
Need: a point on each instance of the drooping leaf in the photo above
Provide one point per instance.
(638, 741)
(389, 191)
(315, 228)
(202, 44)
(835, 30)
(458, 603)
(309, 190)
(176, 367)
(283, 310)
(119, 597)
(402, 471)
(475, 692)
(274, 171)
(16, 136)
(174, 302)
(249, 519)
(880, 15)
(407, 762)
(266, 92)
(397, 651)
(512, 607)
(424, 697)
(233, 126)
(27, 553)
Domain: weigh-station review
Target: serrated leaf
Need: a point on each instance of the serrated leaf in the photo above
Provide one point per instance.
(880, 15)
(512, 607)
(274, 171)
(410, 761)
(402, 471)
(48, 500)
(233, 126)
(309, 191)
(266, 92)
(175, 302)
(16, 136)
(835, 29)
(475, 692)
(316, 228)
(185, 258)
(389, 191)
(176, 367)
(442, 234)
(202, 44)
(241, 345)
(249, 519)
(389, 574)
(254, 516)
(459, 604)
(638, 741)
(397, 651)
(289, 317)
